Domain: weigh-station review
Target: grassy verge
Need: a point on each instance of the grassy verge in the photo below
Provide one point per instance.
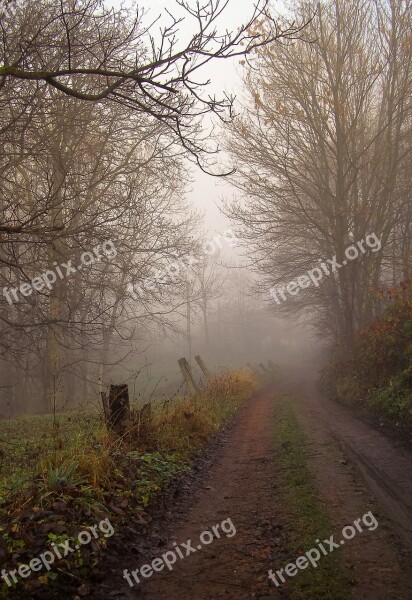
(60, 476)
(308, 517)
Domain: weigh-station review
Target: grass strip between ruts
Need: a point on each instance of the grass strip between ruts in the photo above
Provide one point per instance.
(308, 518)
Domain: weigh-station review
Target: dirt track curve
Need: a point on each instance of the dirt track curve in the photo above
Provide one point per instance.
(354, 467)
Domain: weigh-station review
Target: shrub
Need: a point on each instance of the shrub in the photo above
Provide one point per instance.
(378, 374)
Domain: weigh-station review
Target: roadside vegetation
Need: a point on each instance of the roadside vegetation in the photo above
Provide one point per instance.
(377, 376)
(62, 474)
(307, 515)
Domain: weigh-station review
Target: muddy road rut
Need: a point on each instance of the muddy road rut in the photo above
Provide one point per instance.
(354, 468)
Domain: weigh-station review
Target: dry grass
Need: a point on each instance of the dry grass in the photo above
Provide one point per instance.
(77, 450)
(189, 422)
(61, 474)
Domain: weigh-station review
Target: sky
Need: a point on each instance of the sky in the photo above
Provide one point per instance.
(206, 192)
(225, 75)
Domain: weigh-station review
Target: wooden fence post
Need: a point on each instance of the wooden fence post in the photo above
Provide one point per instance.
(204, 368)
(119, 406)
(187, 375)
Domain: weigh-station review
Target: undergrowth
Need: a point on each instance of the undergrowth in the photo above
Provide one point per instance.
(377, 376)
(65, 473)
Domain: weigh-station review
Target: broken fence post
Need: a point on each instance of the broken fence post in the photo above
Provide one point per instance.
(204, 368)
(119, 406)
(187, 374)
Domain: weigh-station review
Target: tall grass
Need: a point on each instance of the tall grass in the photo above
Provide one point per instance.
(76, 450)
(187, 424)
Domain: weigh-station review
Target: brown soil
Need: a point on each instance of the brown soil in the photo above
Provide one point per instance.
(356, 470)
(353, 465)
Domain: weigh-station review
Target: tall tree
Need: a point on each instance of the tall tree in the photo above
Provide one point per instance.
(321, 150)
(97, 54)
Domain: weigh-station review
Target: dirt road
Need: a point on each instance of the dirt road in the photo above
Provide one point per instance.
(385, 466)
(354, 467)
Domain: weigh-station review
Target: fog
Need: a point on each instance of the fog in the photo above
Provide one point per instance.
(166, 218)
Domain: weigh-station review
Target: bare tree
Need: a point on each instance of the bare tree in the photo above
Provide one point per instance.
(87, 176)
(322, 150)
(98, 112)
(96, 54)
(209, 279)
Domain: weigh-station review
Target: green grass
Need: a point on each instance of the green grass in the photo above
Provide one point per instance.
(71, 463)
(29, 443)
(308, 517)
(75, 445)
